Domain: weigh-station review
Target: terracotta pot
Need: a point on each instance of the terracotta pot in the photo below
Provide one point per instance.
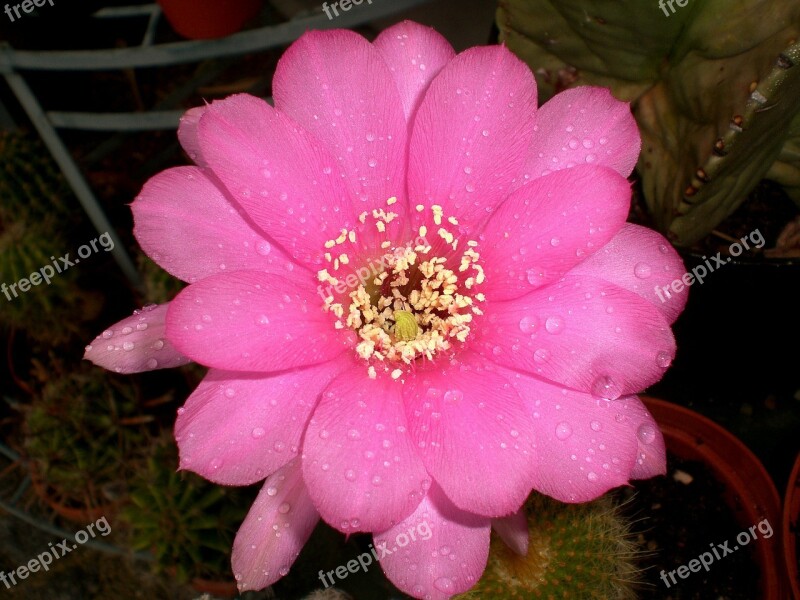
(207, 19)
(791, 521)
(749, 493)
(221, 589)
(80, 515)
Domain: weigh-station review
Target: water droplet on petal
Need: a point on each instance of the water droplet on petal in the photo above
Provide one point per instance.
(595, 425)
(350, 475)
(554, 325)
(258, 432)
(563, 430)
(284, 508)
(528, 324)
(592, 476)
(443, 584)
(128, 346)
(642, 271)
(606, 388)
(535, 276)
(541, 355)
(663, 359)
(271, 491)
(646, 433)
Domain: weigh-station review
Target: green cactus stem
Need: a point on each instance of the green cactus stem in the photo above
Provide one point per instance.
(575, 551)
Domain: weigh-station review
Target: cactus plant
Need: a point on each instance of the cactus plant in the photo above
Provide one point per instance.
(714, 87)
(33, 221)
(82, 433)
(575, 551)
(187, 522)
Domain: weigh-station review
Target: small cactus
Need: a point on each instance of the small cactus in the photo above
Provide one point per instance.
(580, 551)
(713, 85)
(33, 226)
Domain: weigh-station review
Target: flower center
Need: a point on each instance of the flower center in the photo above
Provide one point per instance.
(412, 302)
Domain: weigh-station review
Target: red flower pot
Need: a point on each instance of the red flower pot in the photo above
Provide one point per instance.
(749, 491)
(207, 19)
(791, 522)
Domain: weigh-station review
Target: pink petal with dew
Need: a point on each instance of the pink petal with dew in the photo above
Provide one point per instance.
(289, 186)
(471, 133)
(187, 134)
(644, 262)
(237, 428)
(184, 222)
(252, 321)
(415, 55)
(586, 446)
(276, 529)
(446, 555)
(359, 464)
(474, 435)
(583, 333)
(337, 86)
(547, 227)
(583, 125)
(513, 530)
(136, 344)
(651, 454)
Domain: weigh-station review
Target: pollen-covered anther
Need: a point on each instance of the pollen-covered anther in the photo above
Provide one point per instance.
(415, 305)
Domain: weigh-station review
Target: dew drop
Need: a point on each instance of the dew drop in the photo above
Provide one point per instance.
(592, 476)
(528, 324)
(606, 388)
(642, 271)
(541, 355)
(258, 432)
(563, 430)
(646, 433)
(554, 325)
(350, 475)
(263, 248)
(271, 491)
(107, 334)
(663, 359)
(284, 508)
(152, 363)
(453, 395)
(128, 346)
(443, 584)
(535, 276)
(595, 425)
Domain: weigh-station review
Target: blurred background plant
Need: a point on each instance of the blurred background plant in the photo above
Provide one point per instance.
(33, 220)
(714, 87)
(186, 522)
(84, 435)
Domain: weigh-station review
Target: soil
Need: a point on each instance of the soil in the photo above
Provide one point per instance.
(676, 520)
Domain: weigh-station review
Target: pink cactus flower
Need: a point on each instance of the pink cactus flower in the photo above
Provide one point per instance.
(417, 296)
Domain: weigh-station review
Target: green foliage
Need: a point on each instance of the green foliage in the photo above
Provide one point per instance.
(33, 222)
(714, 88)
(83, 432)
(186, 522)
(580, 551)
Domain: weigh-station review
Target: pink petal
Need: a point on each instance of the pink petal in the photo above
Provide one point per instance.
(513, 530)
(337, 86)
(546, 227)
(415, 55)
(585, 446)
(187, 134)
(448, 550)
(184, 222)
(642, 261)
(288, 185)
(584, 333)
(358, 460)
(237, 428)
(276, 529)
(471, 133)
(136, 344)
(583, 125)
(651, 455)
(474, 435)
(252, 321)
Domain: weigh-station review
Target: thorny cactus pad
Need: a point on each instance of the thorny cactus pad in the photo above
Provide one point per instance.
(419, 300)
(714, 86)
